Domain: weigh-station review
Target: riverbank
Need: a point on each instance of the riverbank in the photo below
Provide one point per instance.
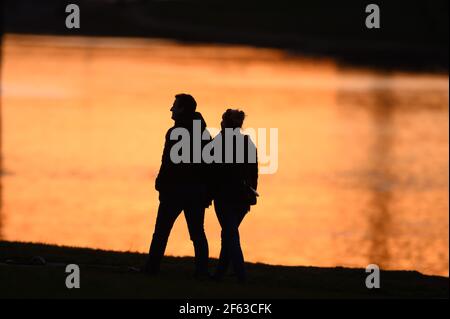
(106, 274)
(413, 34)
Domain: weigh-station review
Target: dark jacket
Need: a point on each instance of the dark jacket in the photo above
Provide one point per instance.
(232, 181)
(175, 175)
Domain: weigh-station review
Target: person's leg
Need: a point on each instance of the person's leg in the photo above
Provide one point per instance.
(167, 214)
(224, 257)
(235, 215)
(195, 216)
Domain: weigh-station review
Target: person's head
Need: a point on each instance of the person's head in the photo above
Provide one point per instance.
(232, 119)
(183, 105)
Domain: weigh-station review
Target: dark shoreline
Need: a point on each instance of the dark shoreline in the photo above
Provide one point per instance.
(410, 40)
(106, 274)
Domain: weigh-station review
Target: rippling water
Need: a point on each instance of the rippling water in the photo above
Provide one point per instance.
(363, 155)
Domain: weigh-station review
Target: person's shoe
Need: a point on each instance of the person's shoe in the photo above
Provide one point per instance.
(242, 280)
(134, 269)
(148, 271)
(217, 278)
(203, 276)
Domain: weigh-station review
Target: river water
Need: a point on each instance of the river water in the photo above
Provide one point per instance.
(362, 154)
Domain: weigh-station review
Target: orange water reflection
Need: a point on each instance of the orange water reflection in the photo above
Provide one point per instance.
(363, 155)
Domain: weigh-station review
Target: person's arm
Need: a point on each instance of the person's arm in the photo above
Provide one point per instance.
(208, 171)
(254, 174)
(252, 167)
(161, 178)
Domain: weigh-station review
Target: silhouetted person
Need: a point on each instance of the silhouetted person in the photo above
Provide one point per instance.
(182, 187)
(234, 190)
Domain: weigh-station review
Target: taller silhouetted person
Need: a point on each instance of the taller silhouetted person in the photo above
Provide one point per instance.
(182, 187)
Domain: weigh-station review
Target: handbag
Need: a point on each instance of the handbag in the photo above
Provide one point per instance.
(251, 194)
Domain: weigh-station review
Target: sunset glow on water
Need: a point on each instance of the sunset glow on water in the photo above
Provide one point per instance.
(362, 165)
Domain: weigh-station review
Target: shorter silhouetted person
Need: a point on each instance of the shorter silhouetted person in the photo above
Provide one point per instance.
(235, 181)
(182, 187)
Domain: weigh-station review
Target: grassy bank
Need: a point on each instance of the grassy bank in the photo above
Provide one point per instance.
(106, 274)
(413, 34)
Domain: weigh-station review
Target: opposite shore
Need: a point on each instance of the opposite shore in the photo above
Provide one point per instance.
(412, 37)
